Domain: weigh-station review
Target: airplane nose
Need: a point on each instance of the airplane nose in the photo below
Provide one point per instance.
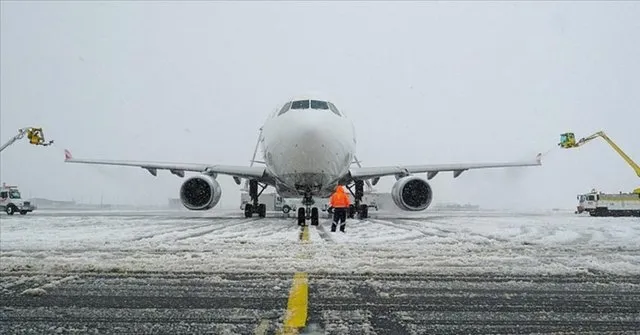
(311, 142)
(308, 127)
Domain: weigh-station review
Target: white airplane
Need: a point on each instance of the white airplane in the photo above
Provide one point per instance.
(308, 147)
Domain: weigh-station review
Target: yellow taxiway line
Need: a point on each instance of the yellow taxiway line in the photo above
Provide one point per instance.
(296, 315)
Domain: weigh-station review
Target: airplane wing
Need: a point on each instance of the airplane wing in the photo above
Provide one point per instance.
(178, 169)
(432, 170)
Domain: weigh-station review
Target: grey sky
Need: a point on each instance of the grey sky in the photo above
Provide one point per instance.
(424, 82)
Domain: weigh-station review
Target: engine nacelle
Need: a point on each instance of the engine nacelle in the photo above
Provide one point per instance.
(411, 193)
(200, 193)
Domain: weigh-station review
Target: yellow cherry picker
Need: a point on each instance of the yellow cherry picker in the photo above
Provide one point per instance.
(34, 135)
(10, 199)
(603, 204)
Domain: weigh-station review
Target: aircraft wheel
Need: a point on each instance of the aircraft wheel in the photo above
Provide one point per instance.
(352, 211)
(301, 216)
(248, 210)
(262, 210)
(364, 212)
(315, 219)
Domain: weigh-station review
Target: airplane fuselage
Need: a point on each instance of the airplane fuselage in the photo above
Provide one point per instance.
(308, 150)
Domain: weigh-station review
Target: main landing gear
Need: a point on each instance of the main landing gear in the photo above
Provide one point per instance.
(254, 206)
(358, 207)
(308, 212)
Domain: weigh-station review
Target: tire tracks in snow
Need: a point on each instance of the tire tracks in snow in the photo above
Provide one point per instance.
(168, 231)
(258, 227)
(224, 225)
(450, 232)
(323, 232)
(409, 229)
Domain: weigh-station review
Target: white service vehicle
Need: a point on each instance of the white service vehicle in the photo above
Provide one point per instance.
(11, 201)
(609, 204)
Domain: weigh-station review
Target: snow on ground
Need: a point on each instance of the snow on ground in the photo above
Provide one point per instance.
(215, 241)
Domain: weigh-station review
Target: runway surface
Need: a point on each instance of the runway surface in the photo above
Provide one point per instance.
(434, 273)
(249, 303)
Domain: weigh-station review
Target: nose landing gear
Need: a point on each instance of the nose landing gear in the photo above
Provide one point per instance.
(308, 212)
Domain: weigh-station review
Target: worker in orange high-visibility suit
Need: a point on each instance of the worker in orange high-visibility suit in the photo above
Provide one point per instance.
(339, 202)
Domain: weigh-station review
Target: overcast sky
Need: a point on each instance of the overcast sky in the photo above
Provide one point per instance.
(424, 82)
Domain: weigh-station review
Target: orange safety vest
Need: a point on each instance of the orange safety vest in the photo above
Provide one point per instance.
(339, 199)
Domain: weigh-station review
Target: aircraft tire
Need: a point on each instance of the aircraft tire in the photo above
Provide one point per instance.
(364, 212)
(352, 211)
(315, 216)
(248, 210)
(301, 216)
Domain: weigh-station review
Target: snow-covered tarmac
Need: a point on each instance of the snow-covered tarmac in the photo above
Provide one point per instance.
(215, 241)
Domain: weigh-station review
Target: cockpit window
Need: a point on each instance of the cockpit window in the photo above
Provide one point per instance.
(285, 108)
(300, 104)
(334, 109)
(315, 104)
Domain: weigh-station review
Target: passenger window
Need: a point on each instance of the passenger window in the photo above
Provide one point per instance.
(334, 109)
(285, 108)
(315, 104)
(300, 104)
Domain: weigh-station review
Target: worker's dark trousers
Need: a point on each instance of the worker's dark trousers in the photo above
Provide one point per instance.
(339, 214)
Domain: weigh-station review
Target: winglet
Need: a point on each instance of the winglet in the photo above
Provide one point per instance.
(539, 158)
(67, 155)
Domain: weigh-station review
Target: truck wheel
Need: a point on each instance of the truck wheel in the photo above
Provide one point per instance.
(286, 209)
(10, 209)
(23, 212)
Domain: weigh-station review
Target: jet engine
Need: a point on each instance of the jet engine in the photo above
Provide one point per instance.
(411, 193)
(200, 193)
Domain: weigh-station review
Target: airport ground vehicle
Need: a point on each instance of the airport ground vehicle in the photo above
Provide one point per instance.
(35, 136)
(603, 204)
(11, 201)
(568, 140)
